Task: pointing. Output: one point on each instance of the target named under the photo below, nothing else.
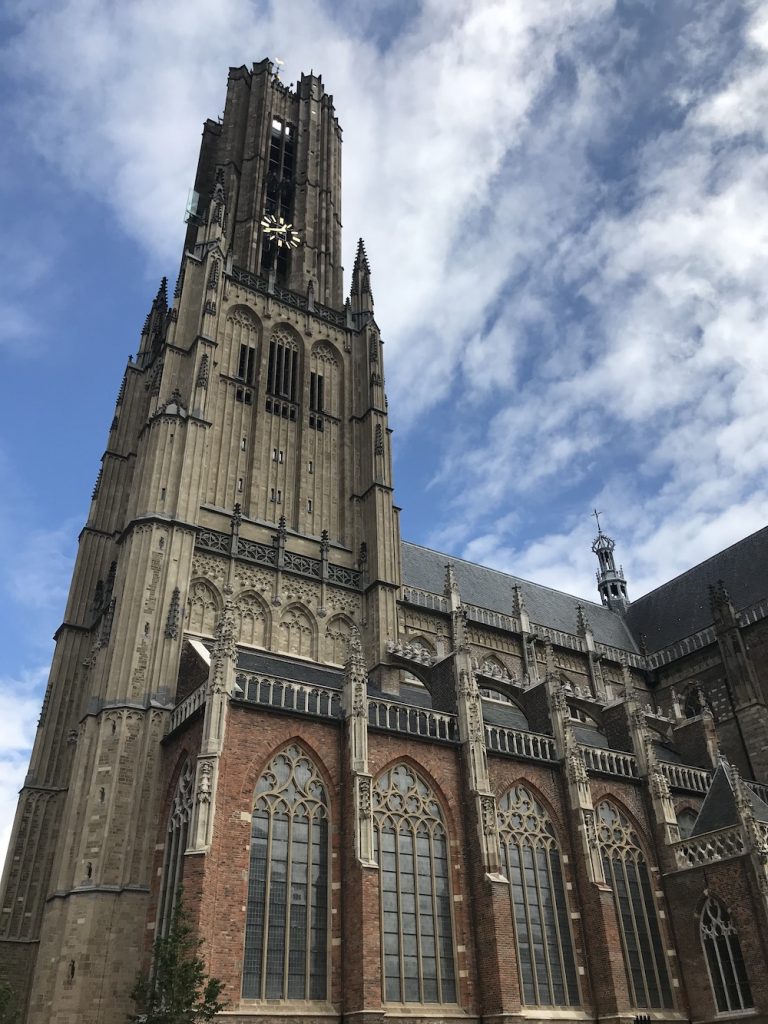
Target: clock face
(280, 231)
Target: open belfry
(392, 786)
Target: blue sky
(564, 206)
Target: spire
(361, 295)
(610, 580)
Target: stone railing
(288, 695)
(266, 554)
(187, 707)
(709, 847)
(610, 762)
(517, 743)
(425, 599)
(290, 298)
(683, 776)
(416, 721)
(498, 620)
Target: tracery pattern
(286, 933)
(627, 873)
(724, 959)
(175, 844)
(531, 856)
(411, 847)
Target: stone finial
(324, 543)
(451, 586)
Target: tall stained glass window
(286, 931)
(531, 857)
(726, 964)
(627, 873)
(416, 919)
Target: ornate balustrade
(288, 695)
(490, 618)
(266, 554)
(290, 298)
(187, 707)
(416, 721)
(520, 744)
(425, 599)
(683, 776)
(610, 762)
(709, 847)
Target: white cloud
(20, 701)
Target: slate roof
(288, 668)
(719, 808)
(424, 569)
(680, 608)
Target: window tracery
(411, 847)
(203, 608)
(286, 934)
(626, 872)
(175, 845)
(531, 855)
(724, 959)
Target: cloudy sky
(564, 204)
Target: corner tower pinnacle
(610, 580)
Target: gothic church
(395, 787)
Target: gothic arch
(412, 846)
(531, 854)
(627, 871)
(242, 327)
(723, 956)
(493, 666)
(326, 360)
(256, 768)
(204, 605)
(337, 634)
(297, 632)
(287, 926)
(253, 619)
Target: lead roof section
(288, 668)
(424, 569)
(680, 608)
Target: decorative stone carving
(204, 782)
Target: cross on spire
(597, 515)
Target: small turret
(610, 580)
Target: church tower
(245, 494)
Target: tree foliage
(177, 989)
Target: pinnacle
(361, 258)
(162, 294)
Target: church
(394, 785)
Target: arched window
(724, 959)
(544, 943)
(286, 930)
(282, 374)
(686, 820)
(297, 632)
(253, 620)
(175, 845)
(202, 608)
(412, 851)
(627, 873)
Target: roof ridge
(698, 565)
(509, 575)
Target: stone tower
(252, 423)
